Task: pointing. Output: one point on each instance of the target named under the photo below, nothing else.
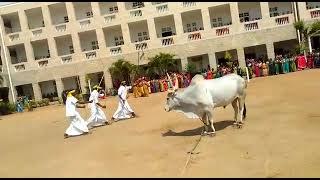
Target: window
(144, 33)
(244, 17)
(71, 49)
(137, 5)
(139, 34)
(89, 14)
(66, 19)
(95, 45)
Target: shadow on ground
(197, 131)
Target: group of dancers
(78, 126)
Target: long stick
(191, 153)
(247, 74)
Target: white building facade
(50, 46)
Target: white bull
(202, 96)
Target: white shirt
(122, 91)
(71, 106)
(94, 96)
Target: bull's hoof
(204, 133)
(212, 134)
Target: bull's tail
(244, 111)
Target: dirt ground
(280, 138)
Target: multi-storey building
(52, 46)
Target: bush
(7, 108)
(33, 103)
(45, 102)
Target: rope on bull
(191, 153)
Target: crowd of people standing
(144, 86)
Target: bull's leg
(236, 109)
(205, 123)
(241, 108)
(210, 120)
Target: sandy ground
(279, 139)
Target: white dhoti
(97, 117)
(124, 110)
(77, 126)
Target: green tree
(162, 63)
(306, 30)
(123, 70)
(228, 57)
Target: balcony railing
(66, 59)
(282, 20)
(315, 14)
(167, 41)
(14, 37)
(250, 26)
(136, 13)
(43, 63)
(41, 57)
(12, 30)
(194, 36)
(189, 4)
(141, 45)
(85, 23)
(109, 18)
(162, 8)
(36, 32)
(91, 54)
(115, 50)
(61, 27)
(19, 67)
(222, 31)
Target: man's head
(71, 93)
(123, 83)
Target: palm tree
(122, 69)
(306, 30)
(162, 63)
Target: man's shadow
(197, 131)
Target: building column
(152, 32)
(241, 57)
(206, 19)
(184, 63)
(95, 9)
(46, 16)
(10, 98)
(29, 54)
(270, 50)
(235, 16)
(212, 60)
(59, 86)
(83, 84)
(36, 91)
(101, 40)
(264, 6)
(23, 20)
(76, 46)
(52, 48)
(178, 23)
(107, 80)
(70, 11)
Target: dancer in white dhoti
(124, 110)
(97, 118)
(77, 125)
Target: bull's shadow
(197, 131)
